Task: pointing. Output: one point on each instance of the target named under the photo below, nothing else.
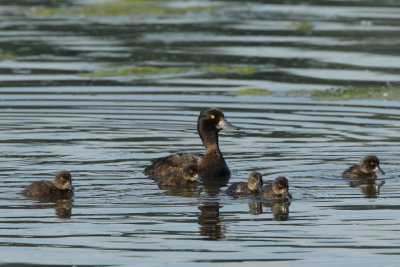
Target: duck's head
(190, 172)
(280, 186)
(63, 180)
(210, 122)
(255, 181)
(213, 119)
(370, 164)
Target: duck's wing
(240, 188)
(231, 189)
(176, 162)
(39, 188)
(352, 172)
(266, 192)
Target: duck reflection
(255, 208)
(185, 191)
(280, 209)
(209, 221)
(63, 207)
(193, 190)
(369, 187)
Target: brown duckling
(369, 166)
(61, 188)
(177, 178)
(279, 189)
(254, 183)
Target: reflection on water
(279, 209)
(102, 95)
(63, 207)
(209, 221)
(369, 187)
(255, 208)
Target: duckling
(61, 188)
(367, 169)
(279, 189)
(254, 184)
(176, 178)
(213, 169)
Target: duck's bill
(287, 195)
(69, 187)
(259, 186)
(195, 178)
(225, 124)
(378, 169)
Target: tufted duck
(367, 169)
(61, 188)
(212, 168)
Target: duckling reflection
(209, 221)
(279, 209)
(191, 190)
(184, 191)
(255, 208)
(369, 187)
(63, 207)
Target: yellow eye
(212, 117)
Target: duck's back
(266, 192)
(40, 188)
(356, 172)
(238, 189)
(46, 189)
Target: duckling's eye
(212, 116)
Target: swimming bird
(61, 188)
(177, 178)
(212, 168)
(279, 189)
(369, 166)
(254, 183)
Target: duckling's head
(255, 181)
(190, 172)
(280, 186)
(63, 180)
(370, 164)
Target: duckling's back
(238, 189)
(40, 188)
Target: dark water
(105, 127)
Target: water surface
(103, 95)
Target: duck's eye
(212, 117)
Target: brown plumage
(212, 168)
(367, 169)
(177, 178)
(279, 189)
(62, 187)
(253, 185)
